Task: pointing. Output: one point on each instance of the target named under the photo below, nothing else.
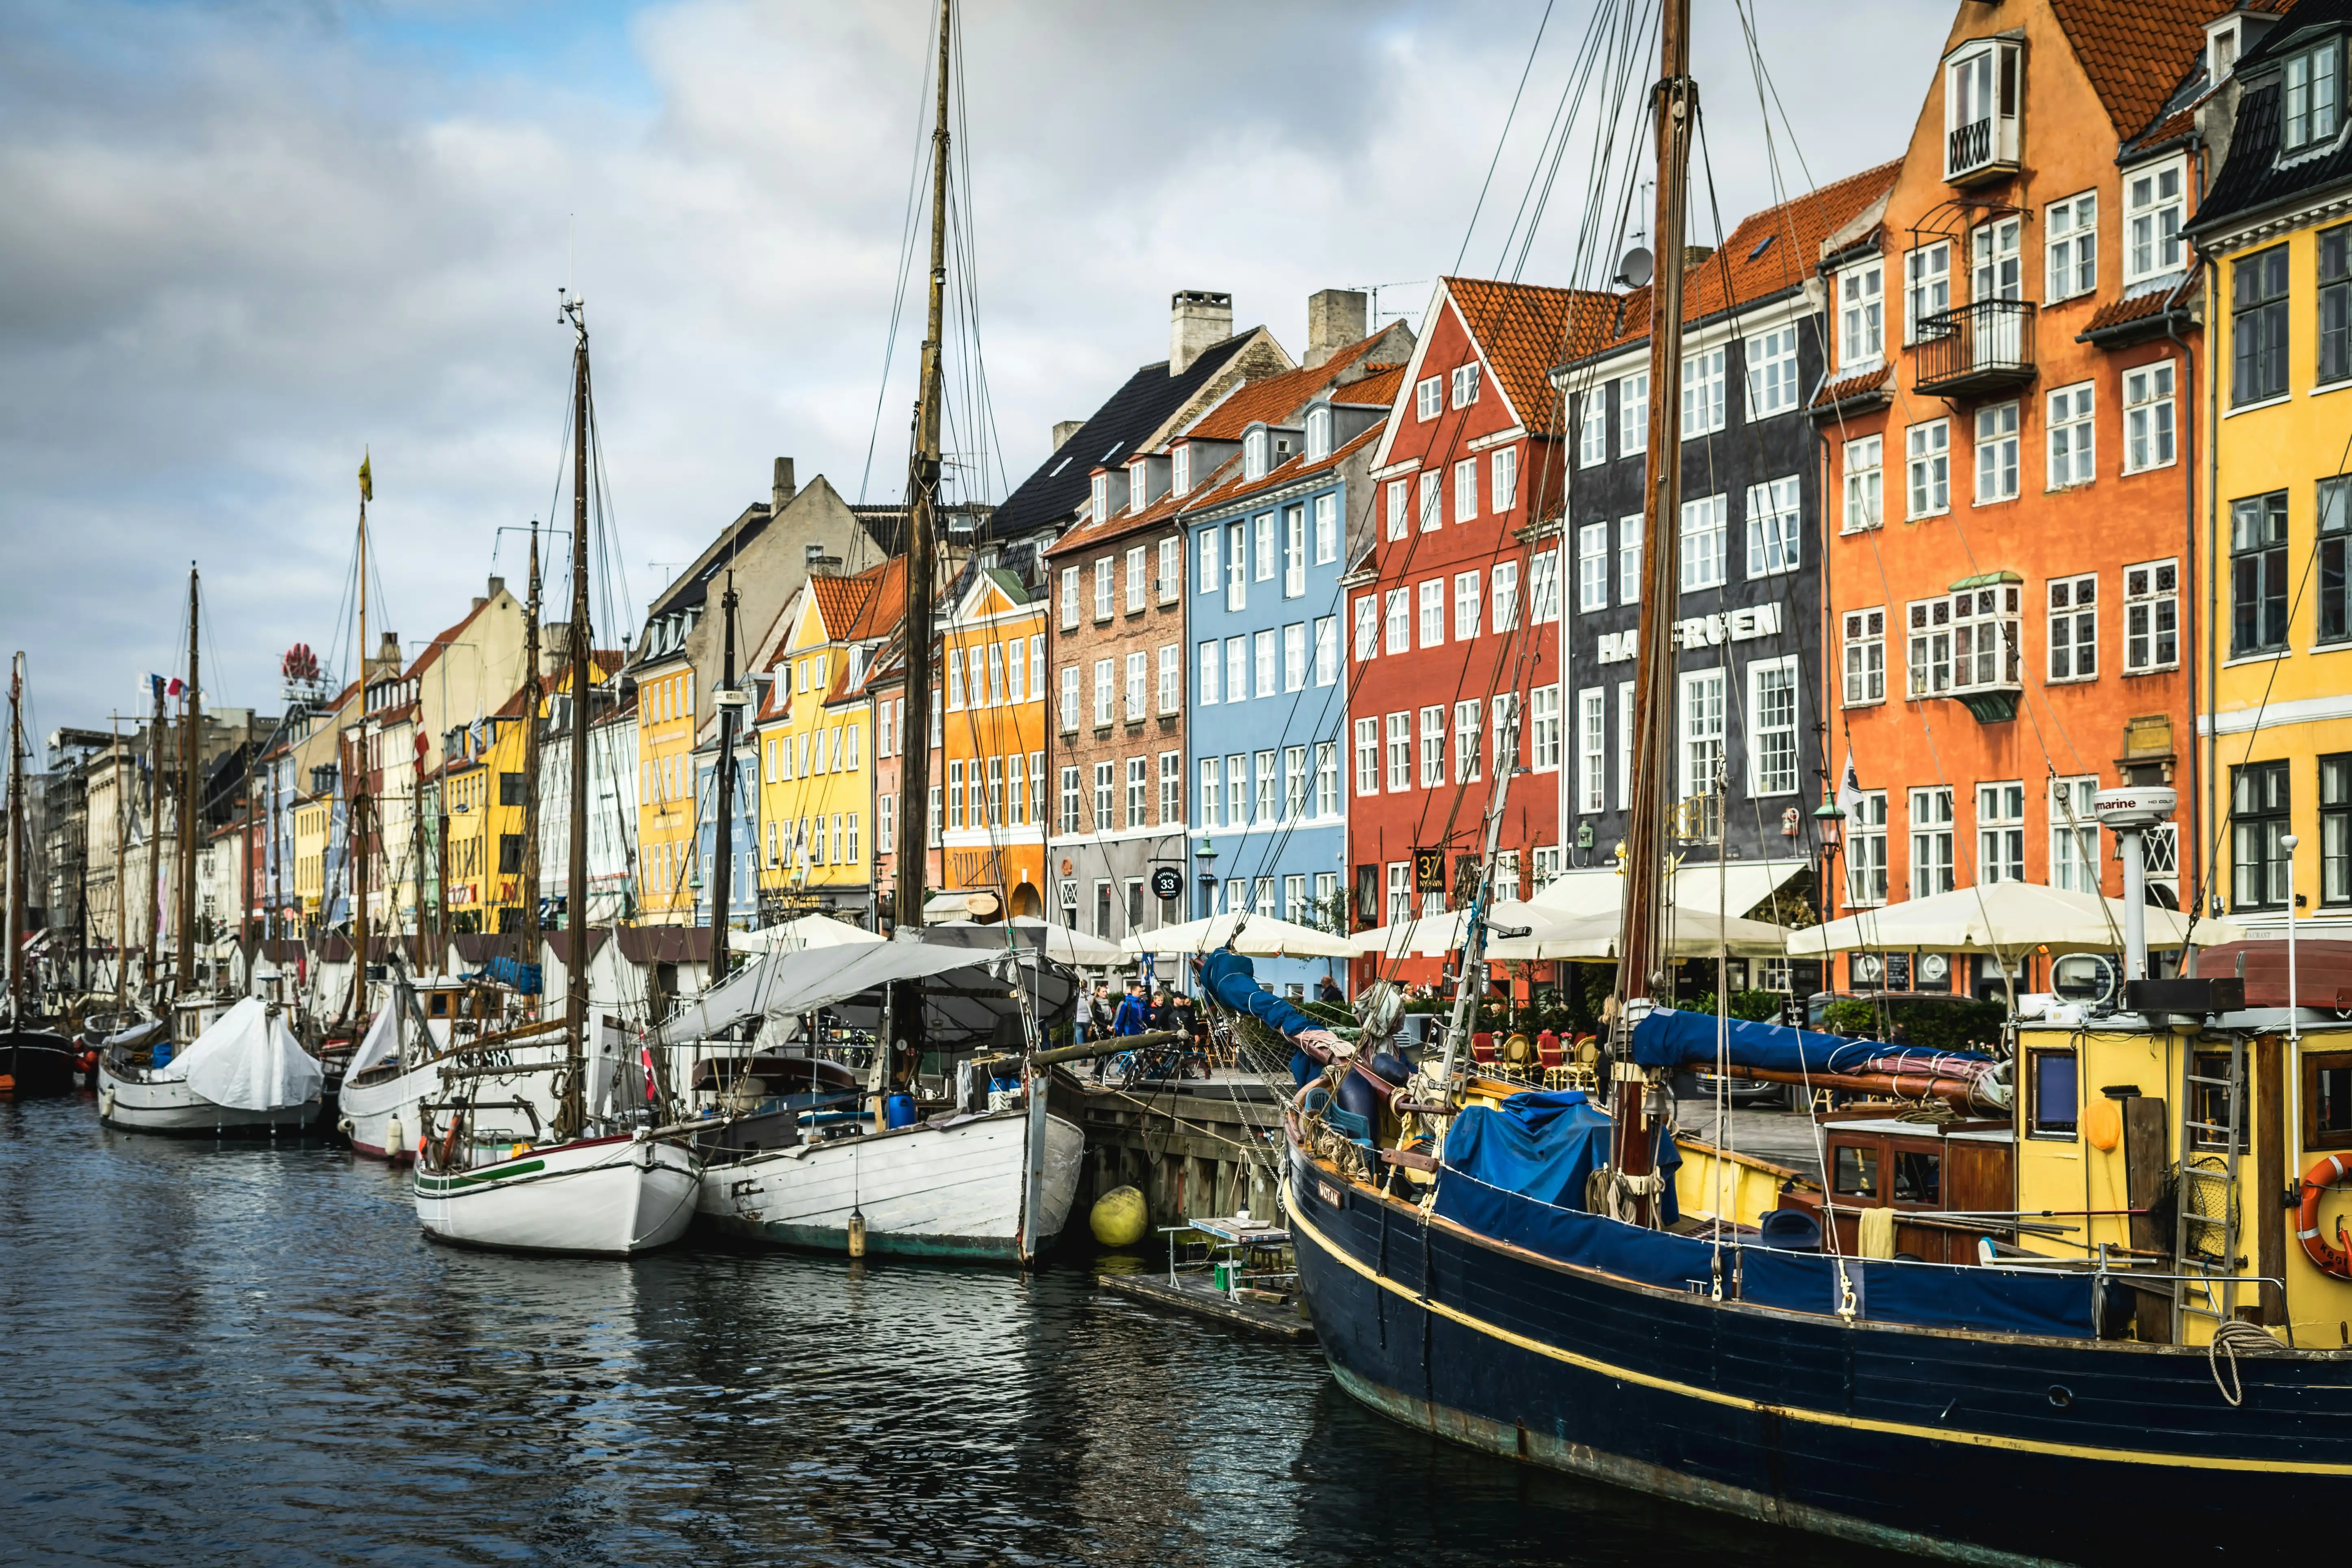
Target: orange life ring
(2337, 1259)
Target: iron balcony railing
(1974, 349)
(1970, 147)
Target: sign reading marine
(1743, 624)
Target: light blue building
(1272, 535)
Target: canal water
(248, 1353)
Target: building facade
(992, 755)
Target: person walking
(1328, 991)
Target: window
(1293, 783)
(1400, 905)
(1103, 821)
(1264, 806)
(1070, 697)
(2335, 569)
(1433, 613)
(2327, 1100)
(1634, 413)
(1103, 569)
(2334, 305)
(1863, 488)
(1865, 841)
(2335, 829)
(1327, 779)
(1100, 502)
(1254, 447)
(2154, 201)
(1592, 567)
(1927, 658)
(1016, 673)
(1865, 656)
(1327, 650)
(1171, 680)
(1262, 529)
(1503, 478)
(2258, 327)
(1294, 552)
(1703, 410)
(1466, 739)
(2312, 102)
(1466, 606)
(1771, 372)
(1704, 523)
(996, 789)
(1368, 626)
(1433, 746)
(1400, 752)
(1294, 900)
(1997, 453)
(1262, 663)
(2257, 573)
(2056, 1094)
(1506, 596)
(2151, 617)
(1431, 517)
(1984, 637)
(1139, 669)
(1592, 750)
(1236, 566)
(1368, 756)
(1702, 715)
(955, 679)
(995, 677)
(1931, 843)
(955, 795)
(1465, 490)
(2073, 835)
(1209, 576)
(1629, 560)
(1069, 597)
(2148, 416)
(1624, 745)
(2071, 231)
(1237, 790)
(1138, 792)
(1772, 727)
(2000, 833)
(1980, 108)
(1400, 620)
(1929, 450)
(1106, 692)
(1068, 820)
(1294, 657)
(1171, 569)
(1862, 316)
(1592, 430)
(2258, 828)
(1927, 288)
(1206, 688)
(1212, 789)
(1397, 529)
(1326, 529)
(1180, 468)
(1465, 385)
(1772, 522)
(1319, 433)
(2074, 627)
(2071, 442)
(1428, 397)
(1506, 730)
(1543, 587)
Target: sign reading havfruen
(1742, 625)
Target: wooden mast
(192, 746)
(355, 827)
(574, 1115)
(533, 691)
(722, 865)
(152, 946)
(15, 934)
(121, 865)
(1641, 948)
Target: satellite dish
(1637, 269)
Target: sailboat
(32, 1060)
(606, 1178)
(227, 1066)
(992, 1176)
(1509, 1273)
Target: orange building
(2007, 430)
(988, 767)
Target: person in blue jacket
(1134, 1016)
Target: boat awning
(980, 997)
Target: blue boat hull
(1967, 1446)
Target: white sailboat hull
(383, 1120)
(608, 1196)
(168, 1106)
(968, 1189)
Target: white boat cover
(985, 1006)
(383, 1039)
(249, 1060)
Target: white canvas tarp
(381, 1040)
(249, 1060)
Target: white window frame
(1466, 605)
(1327, 650)
(1399, 494)
(1294, 657)
(1706, 539)
(1634, 413)
(1935, 866)
(2150, 440)
(1592, 750)
(1503, 479)
(1926, 286)
(1205, 687)
(1433, 746)
(1465, 490)
(1863, 461)
(1629, 560)
(2071, 604)
(1368, 628)
(1262, 547)
(1327, 528)
(1071, 609)
(1505, 598)
(1862, 658)
(2071, 447)
(2074, 834)
(1171, 569)
(1238, 668)
(1704, 393)
(1865, 839)
(1592, 430)
(2001, 832)
(1768, 727)
(1998, 436)
(1429, 398)
(2069, 230)
(1775, 528)
(1073, 700)
(1861, 317)
(1432, 605)
(1397, 621)
(1543, 587)
(1106, 693)
(2151, 614)
(1772, 364)
(1172, 677)
(1368, 755)
(1543, 729)
(1264, 672)
(1431, 500)
(1465, 387)
(2156, 204)
(1591, 567)
(1400, 745)
(1927, 469)
(1138, 676)
(1294, 552)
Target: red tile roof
(1853, 386)
(1275, 398)
(1377, 389)
(2136, 51)
(1525, 330)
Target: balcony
(1980, 151)
(1973, 350)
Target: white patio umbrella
(1435, 936)
(2004, 918)
(804, 931)
(1694, 934)
(1261, 936)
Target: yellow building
(665, 815)
(313, 819)
(2277, 725)
(486, 792)
(992, 755)
(815, 734)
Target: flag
(1849, 789)
(367, 481)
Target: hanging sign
(1429, 870)
(1167, 882)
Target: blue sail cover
(1544, 1146)
(1232, 981)
(510, 972)
(1667, 1038)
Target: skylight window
(1762, 246)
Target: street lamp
(1829, 828)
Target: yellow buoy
(1120, 1218)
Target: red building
(1453, 611)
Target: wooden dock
(1194, 1147)
(1194, 1292)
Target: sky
(242, 242)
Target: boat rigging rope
(2230, 1337)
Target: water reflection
(251, 1353)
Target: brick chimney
(785, 490)
(1199, 319)
(1335, 319)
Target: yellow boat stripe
(1301, 1226)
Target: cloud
(244, 242)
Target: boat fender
(106, 1104)
(391, 1139)
(1362, 1094)
(2335, 1260)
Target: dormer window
(1101, 496)
(1139, 487)
(1980, 111)
(2222, 45)
(1254, 454)
(1180, 470)
(1319, 433)
(2312, 96)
